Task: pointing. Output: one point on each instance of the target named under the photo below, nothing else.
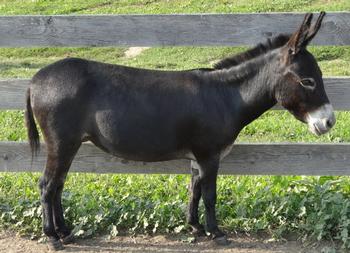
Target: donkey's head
(301, 90)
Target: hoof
(55, 245)
(198, 233)
(68, 239)
(198, 230)
(221, 241)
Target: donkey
(150, 115)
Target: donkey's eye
(308, 83)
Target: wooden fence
(176, 30)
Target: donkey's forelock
(258, 50)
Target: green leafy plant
(316, 208)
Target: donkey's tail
(32, 131)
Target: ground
(9, 242)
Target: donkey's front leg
(195, 195)
(208, 175)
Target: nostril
(329, 123)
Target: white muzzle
(321, 120)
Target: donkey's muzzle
(321, 120)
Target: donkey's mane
(256, 51)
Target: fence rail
(163, 30)
(13, 92)
(177, 30)
(245, 159)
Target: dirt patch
(9, 242)
(134, 51)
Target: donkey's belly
(144, 153)
(144, 140)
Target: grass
(165, 6)
(314, 207)
(24, 62)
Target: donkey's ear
(298, 39)
(313, 31)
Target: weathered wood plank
(12, 93)
(163, 30)
(288, 159)
(16, 157)
(338, 91)
(245, 159)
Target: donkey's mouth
(320, 121)
(315, 130)
(318, 130)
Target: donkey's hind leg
(195, 195)
(60, 227)
(51, 184)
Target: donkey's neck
(255, 82)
